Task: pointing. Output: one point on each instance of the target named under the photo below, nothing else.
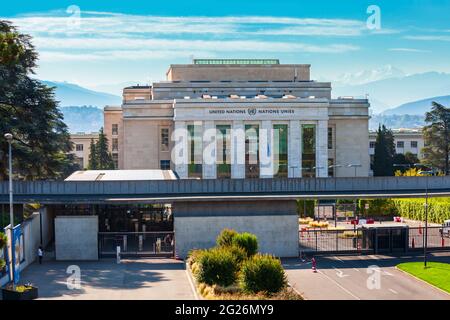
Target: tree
(384, 152)
(437, 137)
(93, 164)
(100, 158)
(29, 111)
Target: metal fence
(137, 243)
(321, 240)
(435, 239)
(351, 240)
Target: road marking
(338, 259)
(340, 273)
(331, 279)
(356, 269)
(393, 291)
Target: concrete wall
(76, 237)
(275, 223)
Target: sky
(100, 44)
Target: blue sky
(110, 42)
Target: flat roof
(236, 61)
(386, 225)
(121, 175)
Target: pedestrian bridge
(171, 191)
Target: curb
(421, 280)
(192, 282)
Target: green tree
(437, 137)
(384, 152)
(104, 157)
(29, 111)
(92, 164)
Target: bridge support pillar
(275, 223)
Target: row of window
(400, 144)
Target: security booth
(385, 237)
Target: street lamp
(9, 138)
(354, 165)
(425, 246)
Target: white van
(445, 230)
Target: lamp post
(425, 246)
(9, 138)
(354, 165)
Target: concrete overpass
(202, 208)
(96, 192)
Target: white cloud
(429, 38)
(407, 50)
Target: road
(359, 277)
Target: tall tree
(100, 157)
(93, 163)
(29, 111)
(437, 137)
(384, 152)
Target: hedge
(414, 209)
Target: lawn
(436, 273)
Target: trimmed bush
(194, 256)
(217, 266)
(414, 209)
(238, 253)
(247, 241)
(225, 238)
(262, 273)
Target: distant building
(82, 147)
(405, 140)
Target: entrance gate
(156, 244)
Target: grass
(436, 273)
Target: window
(413, 144)
(308, 150)
(164, 139)
(400, 144)
(80, 162)
(330, 138)
(331, 167)
(164, 164)
(79, 147)
(195, 151)
(115, 158)
(280, 150)
(251, 151)
(115, 144)
(115, 129)
(372, 144)
(223, 156)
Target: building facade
(239, 119)
(405, 140)
(82, 147)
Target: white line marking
(356, 269)
(393, 291)
(338, 259)
(339, 285)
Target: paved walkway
(136, 279)
(361, 278)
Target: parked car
(445, 229)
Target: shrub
(262, 273)
(225, 238)
(414, 209)
(217, 266)
(194, 256)
(239, 254)
(247, 241)
(2, 245)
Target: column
(294, 150)
(180, 149)
(322, 149)
(209, 150)
(238, 150)
(265, 149)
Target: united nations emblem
(251, 111)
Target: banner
(16, 252)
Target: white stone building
(253, 118)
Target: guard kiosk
(385, 237)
